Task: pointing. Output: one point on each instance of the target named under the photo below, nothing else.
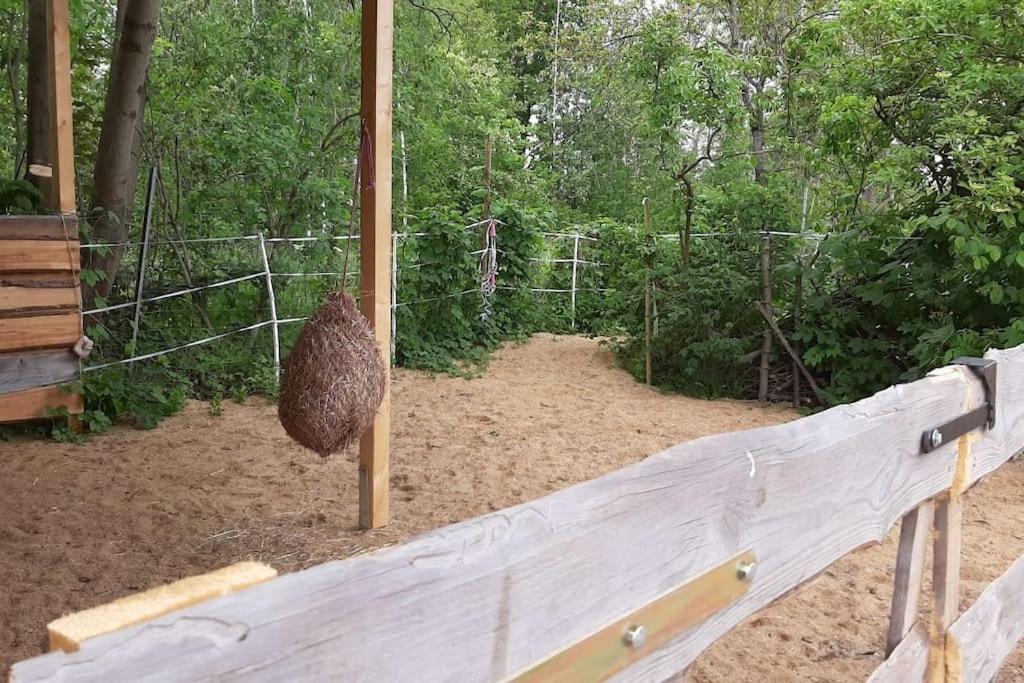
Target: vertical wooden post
(766, 300)
(575, 271)
(945, 584)
(375, 245)
(62, 154)
(798, 305)
(648, 313)
(914, 535)
(488, 154)
(140, 275)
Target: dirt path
(82, 525)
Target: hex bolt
(935, 438)
(745, 571)
(635, 636)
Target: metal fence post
(273, 308)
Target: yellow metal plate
(605, 653)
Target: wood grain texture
(990, 629)
(35, 298)
(908, 663)
(35, 404)
(25, 256)
(39, 332)
(38, 227)
(377, 60)
(38, 280)
(914, 536)
(946, 552)
(25, 370)
(486, 598)
(62, 146)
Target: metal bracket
(982, 416)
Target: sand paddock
(85, 524)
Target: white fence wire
(268, 275)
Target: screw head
(745, 571)
(935, 437)
(635, 636)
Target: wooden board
(375, 246)
(25, 256)
(38, 228)
(910, 556)
(62, 147)
(34, 404)
(990, 629)
(27, 369)
(39, 280)
(69, 632)
(61, 330)
(492, 596)
(908, 663)
(34, 298)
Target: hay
(333, 380)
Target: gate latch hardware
(982, 416)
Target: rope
(489, 268)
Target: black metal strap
(982, 416)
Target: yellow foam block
(67, 633)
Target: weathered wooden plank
(39, 280)
(33, 298)
(24, 256)
(910, 555)
(69, 632)
(489, 597)
(34, 404)
(27, 369)
(990, 629)
(908, 663)
(40, 332)
(38, 228)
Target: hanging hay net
(333, 380)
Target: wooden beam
(945, 586)
(38, 228)
(990, 629)
(908, 663)
(375, 245)
(29, 369)
(62, 156)
(69, 632)
(910, 556)
(40, 332)
(25, 256)
(36, 404)
(492, 596)
(14, 299)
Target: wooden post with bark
(375, 244)
(648, 303)
(766, 301)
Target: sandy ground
(82, 525)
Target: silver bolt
(935, 438)
(635, 636)
(745, 571)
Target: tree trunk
(38, 110)
(117, 157)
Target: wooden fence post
(375, 244)
(140, 277)
(914, 535)
(766, 301)
(575, 267)
(945, 586)
(648, 313)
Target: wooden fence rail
(543, 583)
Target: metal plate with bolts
(613, 648)
(982, 416)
